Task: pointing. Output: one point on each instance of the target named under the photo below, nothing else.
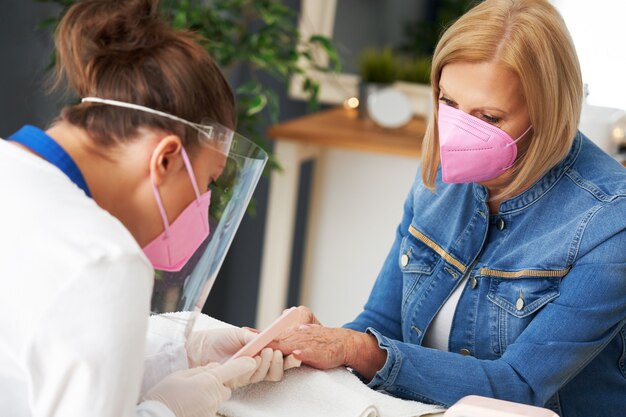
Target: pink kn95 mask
(471, 149)
(171, 250)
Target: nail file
(289, 319)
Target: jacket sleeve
(560, 341)
(382, 310)
(86, 355)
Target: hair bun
(94, 29)
(124, 50)
(128, 25)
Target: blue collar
(546, 182)
(39, 142)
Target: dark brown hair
(124, 50)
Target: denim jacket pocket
(417, 262)
(516, 298)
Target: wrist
(363, 354)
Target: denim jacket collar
(541, 187)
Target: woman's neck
(109, 172)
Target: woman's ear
(165, 159)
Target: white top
(75, 294)
(437, 335)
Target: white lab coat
(74, 300)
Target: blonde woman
(507, 276)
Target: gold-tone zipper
(445, 255)
(560, 273)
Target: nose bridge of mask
(472, 125)
(473, 130)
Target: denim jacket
(542, 317)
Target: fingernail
(297, 352)
(303, 326)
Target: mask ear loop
(157, 196)
(519, 138)
(515, 142)
(191, 174)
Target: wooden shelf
(341, 128)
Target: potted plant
(378, 69)
(413, 79)
(410, 75)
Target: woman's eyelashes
(447, 101)
(494, 120)
(491, 119)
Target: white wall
(356, 206)
(599, 33)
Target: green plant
(414, 70)
(255, 36)
(378, 66)
(384, 66)
(411, 61)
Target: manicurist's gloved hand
(198, 392)
(217, 345)
(271, 366)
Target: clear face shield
(186, 290)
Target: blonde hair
(528, 37)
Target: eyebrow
(444, 93)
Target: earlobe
(164, 158)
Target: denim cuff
(386, 376)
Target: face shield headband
(188, 288)
(214, 134)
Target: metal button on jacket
(404, 259)
(465, 352)
(519, 305)
(473, 282)
(500, 224)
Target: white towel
(307, 392)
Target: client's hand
(325, 348)
(318, 346)
(306, 316)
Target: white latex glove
(271, 366)
(198, 392)
(217, 345)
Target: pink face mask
(171, 250)
(471, 149)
